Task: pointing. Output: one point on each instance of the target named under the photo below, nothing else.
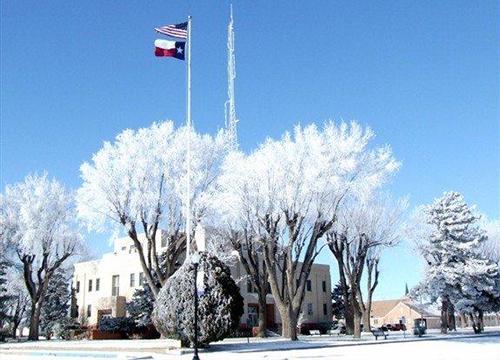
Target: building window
(132, 280)
(309, 309)
(77, 286)
(323, 285)
(309, 285)
(253, 316)
(97, 284)
(325, 310)
(90, 285)
(131, 249)
(141, 278)
(89, 310)
(115, 285)
(124, 248)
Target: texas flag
(170, 48)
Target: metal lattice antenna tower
(230, 106)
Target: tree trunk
(366, 316)
(444, 315)
(14, 330)
(480, 321)
(451, 317)
(34, 321)
(289, 324)
(475, 322)
(262, 331)
(357, 324)
(349, 318)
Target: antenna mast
(230, 106)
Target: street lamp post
(196, 259)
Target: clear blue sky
(423, 74)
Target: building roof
(423, 309)
(382, 307)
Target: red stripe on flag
(165, 52)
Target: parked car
(398, 327)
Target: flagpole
(188, 120)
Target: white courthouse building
(104, 286)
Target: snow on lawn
(456, 346)
(451, 349)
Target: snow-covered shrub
(63, 328)
(118, 324)
(219, 309)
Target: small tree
(141, 306)
(220, 305)
(56, 303)
(19, 299)
(5, 297)
(338, 303)
(19, 307)
(38, 223)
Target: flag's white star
(180, 50)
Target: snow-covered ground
(457, 346)
(486, 348)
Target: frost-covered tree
(5, 297)
(56, 303)
(220, 305)
(37, 221)
(19, 298)
(457, 273)
(364, 227)
(137, 184)
(19, 307)
(292, 189)
(479, 290)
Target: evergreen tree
(338, 304)
(56, 303)
(141, 305)
(457, 273)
